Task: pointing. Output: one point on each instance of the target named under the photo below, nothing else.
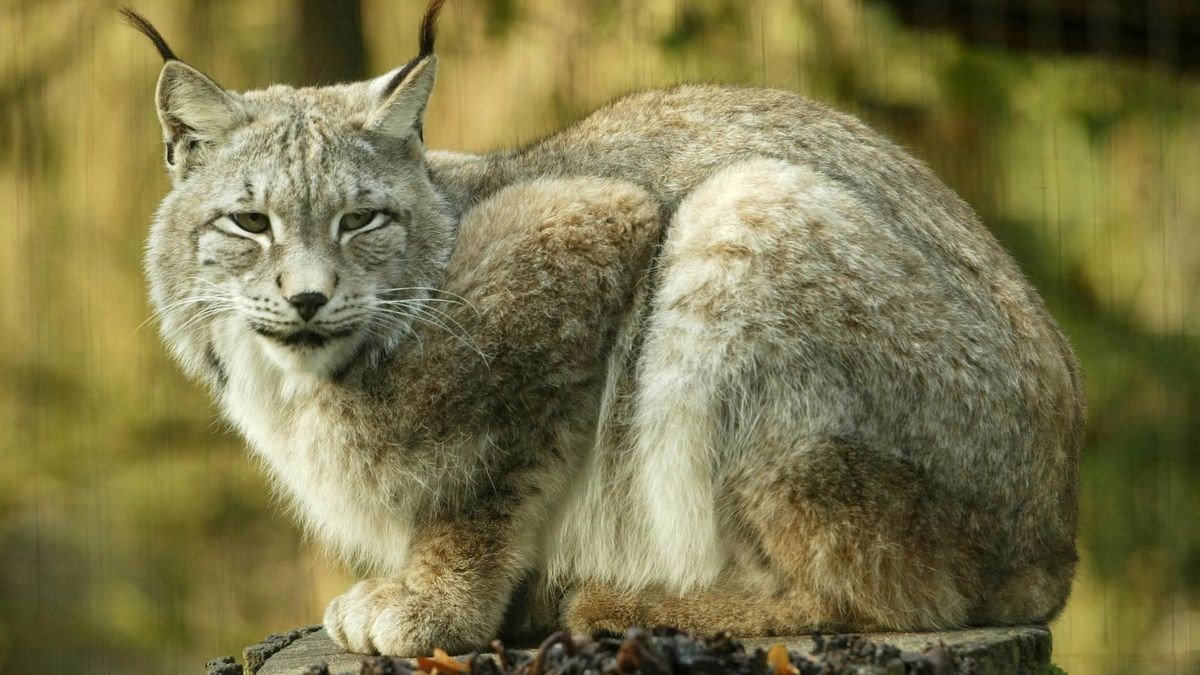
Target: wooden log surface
(1011, 649)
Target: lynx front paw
(384, 616)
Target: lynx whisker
(398, 326)
(420, 305)
(215, 285)
(434, 313)
(207, 313)
(411, 312)
(453, 296)
(162, 312)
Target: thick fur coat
(713, 357)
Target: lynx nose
(307, 304)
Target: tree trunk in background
(330, 42)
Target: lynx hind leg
(853, 536)
(867, 539)
(723, 274)
(855, 540)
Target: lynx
(714, 357)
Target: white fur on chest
(310, 456)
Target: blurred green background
(137, 537)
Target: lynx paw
(384, 616)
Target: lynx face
(302, 221)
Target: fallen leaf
(441, 662)
(780, 662)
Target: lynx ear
(193, 109)
(404, 94)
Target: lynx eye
(255, 223)
(357, 220)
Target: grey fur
(713, 356)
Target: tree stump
(982, 651)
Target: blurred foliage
(136, 537)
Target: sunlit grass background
(135, 535)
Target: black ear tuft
(429, 27)
(427, 38)
(143, 26)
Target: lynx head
(302, 223)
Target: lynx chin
(714, 357)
